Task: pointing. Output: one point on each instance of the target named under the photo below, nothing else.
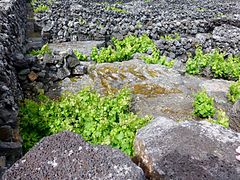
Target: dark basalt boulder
(67, 156)
(187, 150)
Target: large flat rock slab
(67, 156)
(157, 90)
(187, 150)
(84, 47)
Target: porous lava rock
(218, 21)
(12, 39)
(187, 150)
(67, 156)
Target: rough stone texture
(235, 117)
(157, 90)
(215, 22)
(218, 89)
(187, 150)
(67, 156)
(84, 47)
(12, 39)
(45, 70)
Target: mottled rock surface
(84, 47)
(187, 150)
(235, 116)
(67, 156)
(157, 90)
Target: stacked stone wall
(12, 39)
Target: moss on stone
(151, 90)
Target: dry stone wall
(12, 38)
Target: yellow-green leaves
(203, 105)
(79, 55)
(100, 120)
(234, 91)
(44, 50)
(220, 67)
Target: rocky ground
(156, 90)
(165, 93)
(211, 23)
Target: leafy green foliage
(221, 67)
(100, 120)
(203, 105)
(171, 37)
(222, 119)
(234, 91)
(156, 58)
(125, 49)
(196, 64)
(122, 49)
(44, 50)
(80, 56)
(116, 9)
(41, 8)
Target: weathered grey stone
(63, 71)
(217, 89)
(84, 47)
(67, 156)
(187, 150)
(79, 70)
(157, 90)
(72, 62)
(235, 116)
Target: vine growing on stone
(100, 120)
(234, 91)
(123, 50)
(220, 67)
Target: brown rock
(6, 133)
(32, 76)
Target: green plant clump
(222, 119)
(203, 105)
(122, 50)
(116, 9)
(156, 58)
(234, 91)
(41, 8)
(221, 67)
(171, 37)
(100, 120)
(44, 50)
(80, 56)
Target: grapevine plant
(123, 50)
(100, 120)
(203, 105)
(204, 108)
(44, 50)
(80, 56)
(234, 91)
(221, 67)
